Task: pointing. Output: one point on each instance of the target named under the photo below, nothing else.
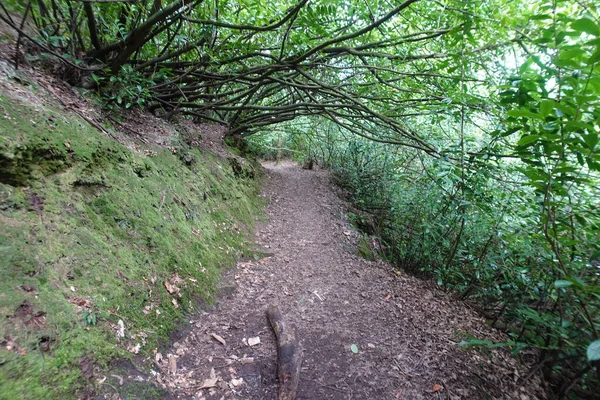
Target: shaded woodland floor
(407, 332)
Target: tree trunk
(278, 157)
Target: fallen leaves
(10, 344)
(172, 289)
(197, 233)
(436, 387)
(146, 310)
(81, 302)
(209, 383)
(173, 283)
(135, 349)
(27, 316)
(157, 356)
(28, 289)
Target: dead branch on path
(289, 355)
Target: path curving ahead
(406, 331)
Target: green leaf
(540, 17)
(572, 53)
(354, 348)
(593, 351)
(524, 113)
(595, 83)
(585, 25)
(484, 343)
(525, 140)
(594, 58)
(562, 284)
(476, 342)
(591, 140)
(546, 107)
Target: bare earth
(406, 331)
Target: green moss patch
(103, 250)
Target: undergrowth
(103, 250)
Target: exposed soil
(406, 330)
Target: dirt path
(407, 332)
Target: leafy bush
(124, 90)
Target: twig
(446, 389)
(140, 137)
(532, 372)
(337, 389)
(488, 382)
(162, 199)
(401, 370)
(45, 48)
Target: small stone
(237, 382)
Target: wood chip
(218, 339)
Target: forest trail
(406, 331)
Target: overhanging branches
(218, 62)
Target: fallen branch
(289, 355)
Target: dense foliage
(466, 130)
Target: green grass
(98, 233)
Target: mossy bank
(103, 250)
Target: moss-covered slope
(102, 249)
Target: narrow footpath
(406, 331)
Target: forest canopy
(467, 131)
(248, 65)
